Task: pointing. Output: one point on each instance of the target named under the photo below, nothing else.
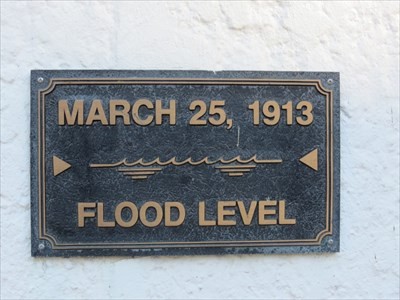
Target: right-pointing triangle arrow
(59, 165)
(311, 159)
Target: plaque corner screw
(41, 246)
(330, 241)
(330, 81)
(40, 79)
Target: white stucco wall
(358, 39)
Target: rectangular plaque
(184, 162)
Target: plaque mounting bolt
(330, 242)
(330, 81)
(41, 246)
(40, 79)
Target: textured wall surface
(358, 39)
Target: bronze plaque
(184, 162)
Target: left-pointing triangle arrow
(311, 159)
(59, 165)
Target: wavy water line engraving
(189, 161)
(234, 167)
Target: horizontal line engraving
(235, 174)
(234, 167)
(138, 169)
(140, 173)
(234, 170)
(139, 177)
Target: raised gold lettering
(263, 212)
(82, 213)
(169, 111)
(76, 117)
(96, 113)
(282, 216)
(181, 214)
(100, 217)
(134, 214)
(202, 216)
(222, 212)
(158, 214)
(135, 112)
(124, 112)
(247, 217)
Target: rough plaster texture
(359, 39)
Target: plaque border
(41, 162)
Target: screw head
(41, 246)
(40, 79)
(330, 242)
(330, 81)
